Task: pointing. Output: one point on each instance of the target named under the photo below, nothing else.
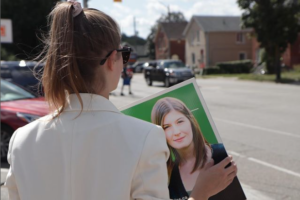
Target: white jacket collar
(91, 102)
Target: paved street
(259, 124)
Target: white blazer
(99, 154)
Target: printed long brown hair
(73, 50)
(161, 108)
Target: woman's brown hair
(73, 50)
(165, 105)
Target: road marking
(235, 154)
(265, 164)
(259, 128)
(274, 167)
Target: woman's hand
(213, 179)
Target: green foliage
(235, 67)
(211, 70)
(171, 17)
(5, 55)
(28, 18)
(276, 24)
(296, 68)
(150, 41)
(134, 40)
(287, 77)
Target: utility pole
(85, 3)
(135, 36)
(134, 27)
(168, 8)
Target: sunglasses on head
(125, 55)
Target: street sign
(6, 31)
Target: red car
(18, 108)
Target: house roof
(173, 30)
(216, 23)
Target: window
(242, 56)
(191, 37)
(173, 64)
(240, 38)
(160, 43)
(193, 58)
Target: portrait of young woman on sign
(190, 152)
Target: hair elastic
(76, 6)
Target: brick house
(290, 57)
(213, 39)
(169, 41)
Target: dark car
(168, 71)
(138, 67)
(18, 108)
(22, 73)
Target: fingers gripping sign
(214, 178)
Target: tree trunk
(271, 66)
(270, 59)
(278, 66)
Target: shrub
(235, 67)
(211, 70)
(297, 67)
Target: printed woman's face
(178, 130)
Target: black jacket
(233, 192)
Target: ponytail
(73, 50)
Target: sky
(146, 12)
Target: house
(213, 39)
(290, 57)
(169, 41)
(139, 52)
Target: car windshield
(10, 92)
(174, 65)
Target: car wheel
(167, 82)
(149, 81)
(6, 133)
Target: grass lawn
(286, 77)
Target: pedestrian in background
(127, 75)
(86, 148)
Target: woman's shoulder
(29, 132)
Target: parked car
(18, 108)
(167, 71)
(22, 73)
(138, 67)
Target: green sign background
(186, 94)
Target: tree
(276, 24)
(133, 40)
(28, 18)
(171, 17)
